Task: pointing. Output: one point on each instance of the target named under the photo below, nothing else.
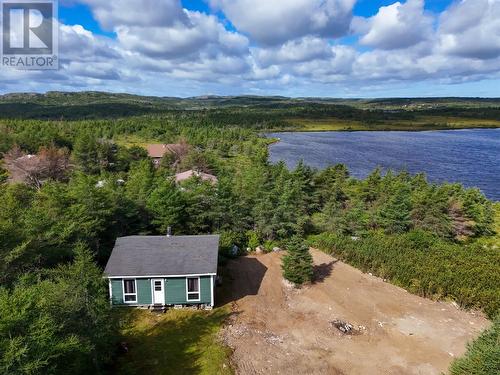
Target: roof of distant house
(188, 174)
(157, 150)
(163, 256)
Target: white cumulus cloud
(471, 28)
(399, 25)
(294, 51)
(274, 22)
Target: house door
(158, 291)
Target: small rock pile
(345, 327)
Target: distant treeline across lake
(471, 157)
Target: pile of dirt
(279, 330)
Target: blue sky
(82, 14)
(334, 48)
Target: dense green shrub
(252, 239)
(57, 322)
(227, 242)
(424, 265)
(482, 356)
(270, 245)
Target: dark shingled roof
(162, 255)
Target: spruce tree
(394, 214)
(166, 205)
(298, 263)
(86, 153)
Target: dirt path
(280, 330)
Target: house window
(157, 286)
(129, 291)
(193, 288)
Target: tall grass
(482, 356)
(424, 265)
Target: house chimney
(169, 231)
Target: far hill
(263, 112)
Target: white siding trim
(110, 292)
(212, 302)
(159, 276)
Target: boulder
(234, 250)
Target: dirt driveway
(276, 329)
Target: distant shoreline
(379, 128)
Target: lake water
(471, 157)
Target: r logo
(27, 28)
(29, 39)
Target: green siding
(144, 292)
(205, 289)
(117, 291)
(175, 290)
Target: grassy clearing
(331, 124)
(133, 140)
(421, 123)
(177, 342)
(460, 122)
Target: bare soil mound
(346, 322)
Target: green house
(151, 271)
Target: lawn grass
(421, 123)
(133, 140)
(176, 342)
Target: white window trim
(129, 294)
(199, 290)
